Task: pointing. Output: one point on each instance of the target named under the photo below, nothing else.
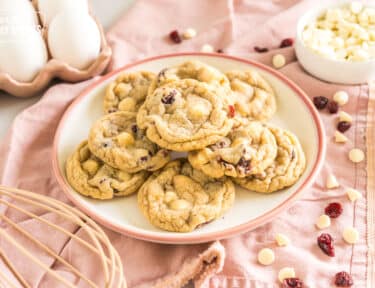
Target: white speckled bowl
(336, 71)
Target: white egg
(48, 9)
(74, 38)
(23, 55)
(17, 12)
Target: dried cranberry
(343, 126)
(325, 242)
(333, 107)
(320, 102)
(260, 49)
(343, 279)
(169, 99)
(286, 42)
(220, 51)
(144, 158)
(175, 37)
(244, 165)
(134, 128)
(232, 111)
(292, 283)
(333, 210)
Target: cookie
(246, 150)
(190, 70)
(287, 168)
(127, 92)
(180, 198)
(254, 98)
(91, 177)
(117, 140)
(185, 115)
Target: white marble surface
(108, 11)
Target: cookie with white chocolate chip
(185, 115)
(118, 141)
(127, 92)
(245, 151)
(91, 177)
(254, 98)
(181, 199)
(285, 170)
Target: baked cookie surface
(127, 92)
(89, 176)
(185, 115)
(180, 198)
(195, 70)
(253, 97)
(287, 168)
(246, 150)
(117, 140)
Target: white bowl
(336, 71)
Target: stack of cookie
(215, 121)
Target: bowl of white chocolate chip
(336, 42)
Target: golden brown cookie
(89, 176)
(285, 171)
(180, 198)
(118, 141)
(254, 98)
(185, 115)
(127, 92)
(246, 150)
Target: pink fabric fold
(235, 26)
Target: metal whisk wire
(100, 246)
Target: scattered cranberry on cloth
(235, 27)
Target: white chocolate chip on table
(343, 116)
(207, 48)
(323, 222)
(341, 98)
(266, 256)
(285, 273)
(278, 61)
(353, 194)
(340, 138)
(350, 235)
(332, 182)
(282, 240)
(356, 155)
(189, 33)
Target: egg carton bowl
(58, 69)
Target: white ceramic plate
(295, 112)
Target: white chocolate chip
(343, 116)
(350, 235)
(282, 240)
(353, 194)
(278, 61)
(125, 139)
(356, 155)
(341, 97)
(266, 256)
(332, 182)
(340, 138)
(323, 222)
(356, 7)
(207, 48)
(189, 33)
(285, 273)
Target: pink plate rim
(186, 238)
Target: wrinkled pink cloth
(235, 26)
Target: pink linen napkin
(235, 26)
